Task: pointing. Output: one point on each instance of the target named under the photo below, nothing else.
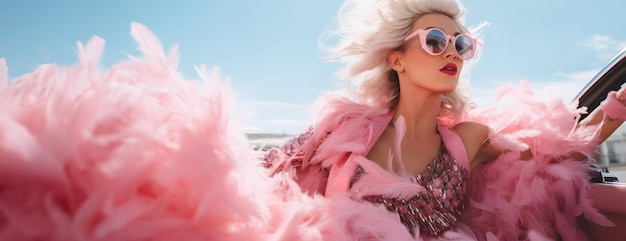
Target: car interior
(609, 194)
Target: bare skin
(422, 85)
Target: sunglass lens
(464, 46)
(436, 41)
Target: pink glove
(614, 106)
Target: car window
(611, 158)
(612, 155)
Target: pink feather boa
(541, 198)
(136, 152)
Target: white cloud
(565, 86)
(285, 126)
(560, 85)
(605, 46)
(271, 104)
(268, 116)
(573, 83)
(247, 107)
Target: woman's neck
(420, 114)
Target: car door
(608, 190)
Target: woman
(399, 140)
(136, 152)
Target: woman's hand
(609, 116)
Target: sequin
(436, 210)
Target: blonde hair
(369, 30)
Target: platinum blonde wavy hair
(368, 30)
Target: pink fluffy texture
(137, 152)
(131, 153)
(613, 106)
(538, 199)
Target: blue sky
(270, 51)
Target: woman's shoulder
(473, 134)
(470, 128)
(475, 137)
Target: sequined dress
(435, 210)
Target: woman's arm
(609, 116)
(475, 137)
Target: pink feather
(382, 182)
(4, 74)
(91, 54)
(149, 44)
(400, 126)
(136, 152)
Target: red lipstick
(450, 69)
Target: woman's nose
(450, 51)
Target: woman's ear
(395, 61)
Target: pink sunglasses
(434, 41)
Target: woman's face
(425, 72)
